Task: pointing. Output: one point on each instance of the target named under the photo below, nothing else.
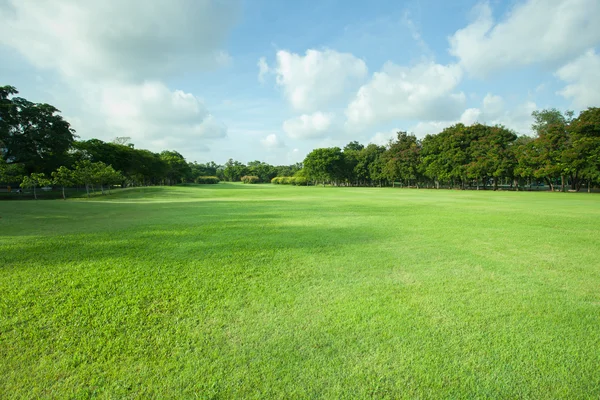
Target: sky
(271, 80)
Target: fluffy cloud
(383, 138)
(308, 126)
(426, 91)
(118, 39)
(150, 111)
(319, 78)
(534, 31)
(583, 78)
(272, 142)
(492, 112)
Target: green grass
(260, 291)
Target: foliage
(34, 181)
(250, 179)
(211, 180)
(32, 134)
(63, 177)
(325, 165)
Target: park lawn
(264, 291)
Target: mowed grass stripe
(270, 291)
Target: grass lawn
(243, 291)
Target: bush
(207, 180)
(290, 180)
(300, 181)
(250, 179)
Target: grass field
(235, 291)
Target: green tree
(366, 158)
(234, 170)
(585, 148)
(33, 181)
(11, 173)
(264, 171)
(178, 170)
(32, 134)
(552, 145)
(84, 174)
(351, 156)
(325, 165)
(62, 177)
(401, 160)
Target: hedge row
(250, 179)
(290, 180)
(207, 180)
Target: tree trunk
(589, 187)
(34, 193)
(102, 189)
(562, 183)
(87, 189)
(516, 184)
(495, 184)
(63, 190)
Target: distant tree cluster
(565, 152)
(38, 148)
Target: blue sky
(271, 80)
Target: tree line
(39, 148)
(565, 153)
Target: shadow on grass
(235, 234)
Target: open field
(264, 291)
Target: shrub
(207, 180)
(276, 180)
(300, 181)
(250, 179)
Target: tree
(178, 170)
(552, 143)
(364, 163)
(11, 173)
(264, 171)
(585, 149)
(325, 164)
(62, 177)
(32, 134)
(402, 158)
(84, 174)
(34, 180)
(351, 155)
(234, 170)
(106, 174)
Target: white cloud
(383, 138)
(319, 78)
(492, 112)
(470, 116)
(152, 112)
(583, 78)
(533, 31)
(113, 39)
(272, 142)
(493, 105)
(309, 126)
(425, 91)
(263, 69)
